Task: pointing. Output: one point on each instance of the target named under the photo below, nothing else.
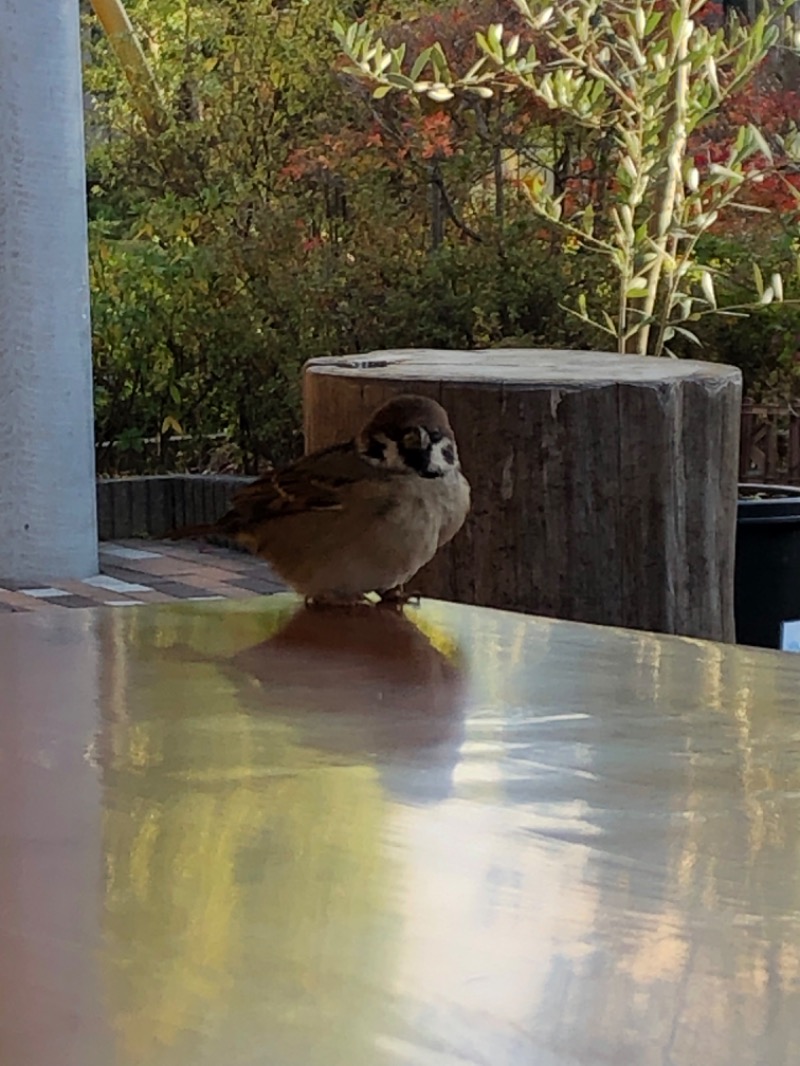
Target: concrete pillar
(47, 486)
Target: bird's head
(410, 434)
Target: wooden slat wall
(770, 444)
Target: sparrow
(358, 517)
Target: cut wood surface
(604, 486)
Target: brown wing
(317, 482)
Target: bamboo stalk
(129, 52)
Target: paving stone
(135, 571)
(263, 586)
(117, 551)
(20, 602)
(178, 590)
(75, 601)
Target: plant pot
(767, 582)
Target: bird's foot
(329, 601)
(397, 598)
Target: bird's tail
(228, 527)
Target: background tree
(284, 211)
(633, 85)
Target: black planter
(767, 589)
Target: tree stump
(604, 486)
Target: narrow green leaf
(439, 63)
(475, 69)
(759, 279)
(687, 333)
(707, 285)
(759, 141)
(653, 19)
(419, 64)
(399, 81)
(495, 35)
(676, 25)
(541, 20)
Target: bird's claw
(398, 598)
(395, 599)
(326, 602)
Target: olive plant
(641, 78)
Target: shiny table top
(241, 833)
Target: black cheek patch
(448, 455)
(375, 450)
(416, 458)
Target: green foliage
(253, 234)
(765, 344)
(181, 344)
(638, 78)
(285, 213)
(193, 249)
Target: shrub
(281, 213)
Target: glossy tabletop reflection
(242, 833)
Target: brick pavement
(144, 571)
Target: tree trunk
(126, 45)
(47, 487)
(604, 486)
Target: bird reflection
(364, 682)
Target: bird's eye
(435, 436)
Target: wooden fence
(769, 451)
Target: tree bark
(604, 486)
(126, 45)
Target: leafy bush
(192, 255)
(640, 87)
(280, 212)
